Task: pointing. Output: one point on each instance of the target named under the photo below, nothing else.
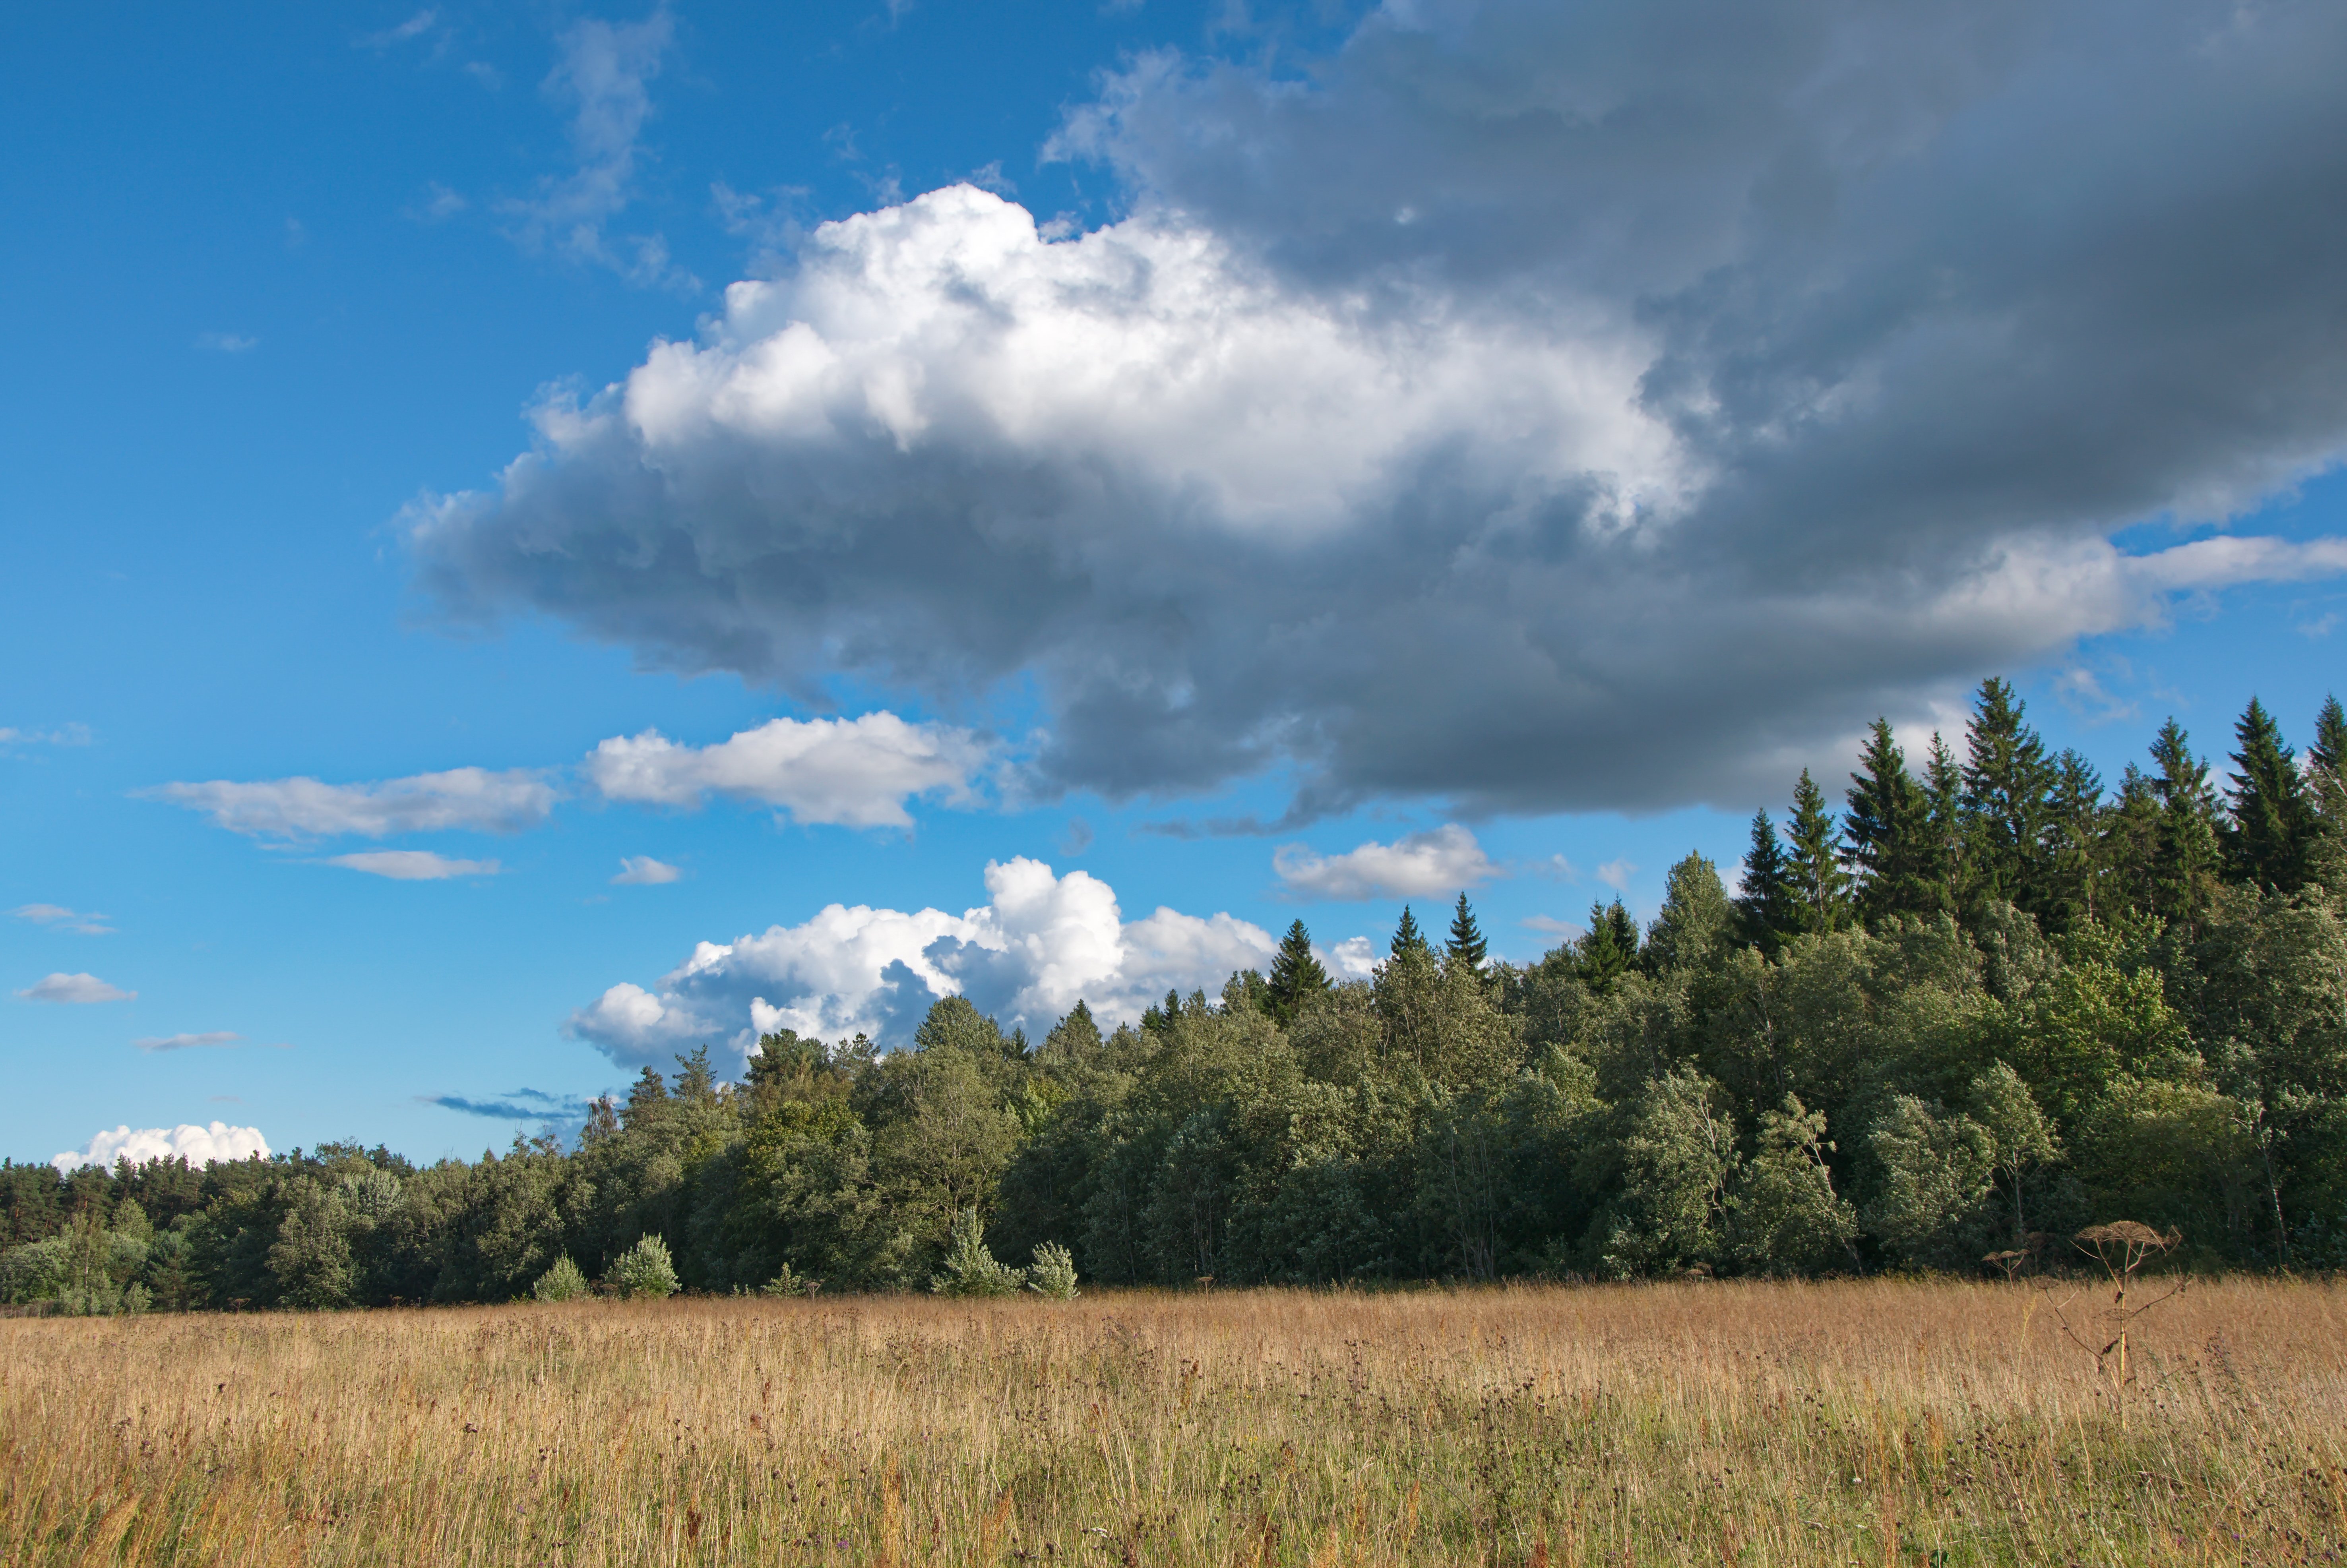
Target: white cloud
(299, 808)
(1437, 863)
(1353, 959)
(437, 205)
(63, 735)
(603, 76)
(1617, 874)
(856, 771)
(1729, 386)
(188, 1042)
(415, 26)
(65, 987)
(87, 923)
(198, 1145)
(1548, 925)
(643, 871)
(227, 343)
(1039, 944)
(413, 864)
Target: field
(1880, 1423)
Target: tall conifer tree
(2007, 781)
(1295, 974)
(2267, 842)
(1406, 937)
(2329, 752)
(1943, 791)
(1610, 948)
(2075, 864)
(1821, 887)
(1890, 831)
(1764, 903)
(1466, 945)
(2184, 863)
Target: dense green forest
(1988, 1002)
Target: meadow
(1871, 1423)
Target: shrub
(787, 1283)
(1053, 1273)
(971, 1269)
(645, 1269)
(563, 1281)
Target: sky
(540, 537)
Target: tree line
(1989, 1001)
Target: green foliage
(1297, 978)
(645, 1269)
(969, 1268)
(1466, 945)
(2021, 1004)
(1783, 1213)
(1936, 1170)
(1052, 1275)
(563, 1281)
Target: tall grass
(1877, 1422)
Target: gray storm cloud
(1530, 407)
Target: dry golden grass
(1874, 1423)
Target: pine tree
(1466, 945)
(1406, 937)
(1820, 889)
(2184, 860)
(2267, 841)
(1296, 976)
(1889, 831)
(1764, 904)
(2006, 781)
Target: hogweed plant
(2121, 1248)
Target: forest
(1989, 1000)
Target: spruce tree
(1406, 937)
(2267, 842)
(1890, 830)
(1466, 945)
(1820, 888)
(1610, 948)
(2329, 752)
(1296, 977)
(2076, 863)
(2184, 860)
(1764, 904)
(1944, 795)
(2008, 780)
(2326, 798)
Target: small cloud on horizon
(643, 871)
(199, 1145)
(1616, 873)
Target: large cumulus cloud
(1530, 407)
(1040, 943)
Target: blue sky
(1543, 432)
